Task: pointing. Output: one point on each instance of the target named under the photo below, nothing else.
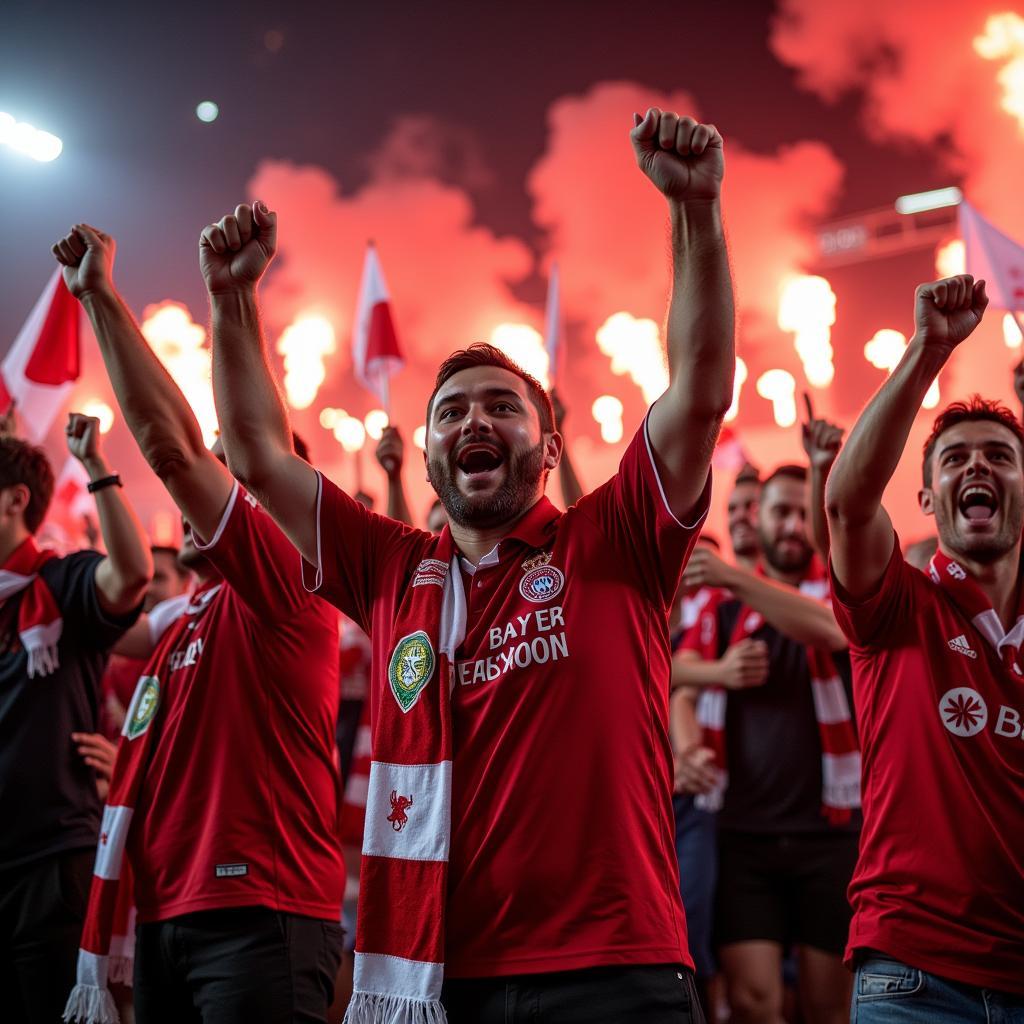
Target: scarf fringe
(374, 1008)
(42, 660)
(89, 1004)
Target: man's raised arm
(684, 160)
(257, 437)
(945, 313)
(157, 413)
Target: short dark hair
(748, 474)
(482, 354)
(975, 409)
(24, 463)
(172, 553)
(788, 471)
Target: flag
(375, 348)
(996, 257)
(42, 364)
(552, 325)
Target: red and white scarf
(840, 757)
(99, 961)
(39, 619)
(971, 600)
(400, 925)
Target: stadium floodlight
(29, 140)
(207, 111)
(919, 202)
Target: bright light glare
(419, 437)
(102, 412)
(32, 142)
(951, 258)
(807, 307)
(1011, 332)
(634, 346)
(375, 421)
(607, 411)
(779, 387)
(524, 345)
(1004, 40)
(737, 385)
(207, 111)
(886, 349)
(329, 418)
(937, 198)
(304, 344)
(350, 433)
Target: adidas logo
(961, 646)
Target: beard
(525, 469)
(786, 562)
(975, 548)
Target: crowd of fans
(477, 771)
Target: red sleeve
(881, 618)
(252, 554)
(354, 546)
(632, 511)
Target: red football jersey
(239, 805)
(562, 839)
(940, 880)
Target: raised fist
(947, 311)
(83, 434)
(821, 439)
(683, 158)
(235, 252)
(391, 451)
(87, 256)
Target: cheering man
(224, 788)
(518, 842)
(938, 892)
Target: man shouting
(518, 857)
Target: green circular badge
(410, 668)
(144, 705)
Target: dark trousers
(651, 994)
(42, 908)
(247, 965)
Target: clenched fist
(745, 664)
(947, 311)
(235, 252)
(391, 451)
(83, 434)
(682, 157)
(87, 256)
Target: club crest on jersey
(541, 582)
(144, 705)
(399, 805)
(410, 668)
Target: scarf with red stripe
(90, 1000)
(840, 757)
(400, 926)
(39, 619)
(971, 600)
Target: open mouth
(476, 459)
(978, 503)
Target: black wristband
(114, 480)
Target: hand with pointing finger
(821, 439)
(682, 157)
(235, 252)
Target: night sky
(301, 83)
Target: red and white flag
(996, 257)
(553, 326)
(375, 348)
(44, 360)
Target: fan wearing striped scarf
(788, 779)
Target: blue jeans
(697, 852)
(888, 992)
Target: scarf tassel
(90, 1004)
(375, 1008)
